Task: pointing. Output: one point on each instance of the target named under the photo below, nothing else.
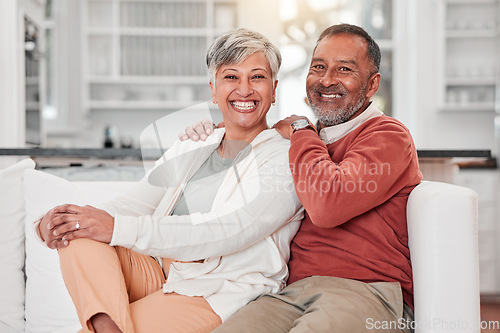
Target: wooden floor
(490, 314)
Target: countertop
(52, 157)
(136, 153)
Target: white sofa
(40, 303)
(442, 222)
(443, 241)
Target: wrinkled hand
(58, 226)
(283, 126)
(199, 130)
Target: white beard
(335, 116)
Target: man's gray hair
(344, 28)
(237, 45)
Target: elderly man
(350, 267)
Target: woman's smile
(245, 106)
(244, 92)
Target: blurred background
(97, 68)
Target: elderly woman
(206, 231)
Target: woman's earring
(215, 102)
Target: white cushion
(48, 305)
(12, 246)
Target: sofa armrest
(443, 241)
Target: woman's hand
(199, 130)
(47, 235)
(67, 222)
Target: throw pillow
(49, 307)
(12, 246)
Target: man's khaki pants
(322, 304)
(127, 286)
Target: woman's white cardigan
(243, 241)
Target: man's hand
(283, 126)
(199, 130)
(67, 222)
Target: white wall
(260, 16)
(12, 68)
(11, 85)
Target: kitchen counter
(445, 165)
(136, 153)
(458, 153)
(436, 165)
(100, 153)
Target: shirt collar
(334, 133)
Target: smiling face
(244, 92)
(339, 83)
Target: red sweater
(355, 192)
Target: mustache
(339, 88)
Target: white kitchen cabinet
(486, 183)
(470, 45)
(150, 55)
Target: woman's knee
(83, 249)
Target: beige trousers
(323, 304)
(127, 286)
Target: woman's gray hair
(237, 45)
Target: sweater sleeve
(260, 203)
(373, 168)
